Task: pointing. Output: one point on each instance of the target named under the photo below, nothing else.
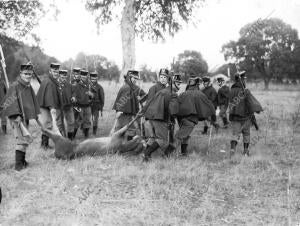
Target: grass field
(263, 189)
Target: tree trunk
(128, 36)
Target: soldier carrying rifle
(20, 106)
(242, 106)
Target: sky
(219, 21)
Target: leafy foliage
(190, 62)
(265, 46)
(106, 69)
(153, 18)
(19, 17)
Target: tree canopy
(190, 62)
(266, 46)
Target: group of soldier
(76, 100)
(162, 107)
(68, 102)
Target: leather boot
(4, 129)
(246, 149)
(225, 122)
(149, 150)
(168, 151)
(86, 132)
(74, 133)
(44, 141)
(19, 165)
(95, 130)
(233, 145)
(70, 135)
(205, 129)
(184, 149)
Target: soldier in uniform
(75, 78)
(193, 106)
(2, 95)
(97, 101)
(66, 94)
(20, 106)
(160, 84)
(49, 100)
(161, 113)
(242, 106)
(211, 94)
(223, 100)
(127, 103)
(82, 99)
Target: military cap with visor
(133, 74)
(84, 72)
(55, 66)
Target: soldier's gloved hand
(119, 113)
(73, 99)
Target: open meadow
(202, 189)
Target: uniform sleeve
(102, 97)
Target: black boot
(95, 130)
(168, 151)
(233, 145)
(19, 165)
(184, 149)
(70, 135)
(246, 149)
(25, 163)
(44, 141)
(74, 133)
(149, 150)
(225, 122)
(4, 129)
(86, 132)
(205, 130)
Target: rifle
(60, 91)
(4, 67)
(170, 124)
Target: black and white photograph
(150, 112)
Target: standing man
(49, 100)
(194, 106)
(211, 94)
(3, 92)
(66, 94)
(160, 84)
(223, 100)
(127, 103)
(82, 99)
(20, 106)
(242, 106)
(97, 101)
(161, 113)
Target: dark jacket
(163, 105)
(48, 93)
(193, 102)
(21, 101)
(98, 99)
(66, 94)
(242, 104)
(223, 95)
(154, 89)
(3, 90)
(127, 98)
(211, 93)
(81, 94)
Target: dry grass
(198, 190)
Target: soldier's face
(26, 75)
(76, 76)
(63, 78)
(133, 80)
(83, 78)
(163, 79)
(205, 84)
(54, 73)
(94, 80)
(177, 85)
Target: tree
(190, 62)
(262, 46)
(145, 18)
(147, 75)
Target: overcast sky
(220, 21)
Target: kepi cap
(63, 72)
(55, 66)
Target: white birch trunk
(128, 37)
